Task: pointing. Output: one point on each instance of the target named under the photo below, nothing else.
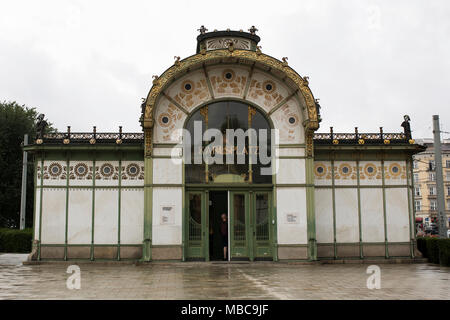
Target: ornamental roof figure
(252, 30)
(202, 29)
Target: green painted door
(261, 225)
(239, 225)
(195, 225)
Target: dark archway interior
(218, 204)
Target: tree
(15, 121)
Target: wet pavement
(221, 281)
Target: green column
(310, 209)
(384, 210)
(148, 197)
(41, 191)
(119, 206)
(411, 206)
(333, 199)
(67, 206)
(94, 171)
(361, 253)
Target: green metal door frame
(240, 248)
(262, 249)
(196, 248)
(249, 250)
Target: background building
(425, 202)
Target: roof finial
(253, 30)
(202, 30)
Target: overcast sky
(86, 63)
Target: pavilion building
(137, 196)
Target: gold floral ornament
(395, 169)
(66, 141)
(269, 86)
(361, 141)
(133, 170)
(387, 141)
(411, 141)
(81, 170)
(345, 169)
(370, 170)
(164, 119)
(39, 141)
(228, 75)
(55, 169)
(320, 170)
(335, 141)
(92, 141)
(119, 141)
(107, 170)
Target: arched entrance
(272, 88)
(229, 173)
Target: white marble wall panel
(372, 218)
(347, 225)
(291, 216)
(132, 216)
(166, 171)
(53, 216)
(106, 216)
(167, 216)
(79, 229)
(397, 215)
(291, 171)
(168, 152)
(324, 215)
(290, 152)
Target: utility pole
(23, 199)
(442, 217)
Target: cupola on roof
(223, 39)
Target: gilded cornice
(183, 66)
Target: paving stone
(223, 281)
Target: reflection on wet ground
(221, 281)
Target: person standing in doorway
(224, 234)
